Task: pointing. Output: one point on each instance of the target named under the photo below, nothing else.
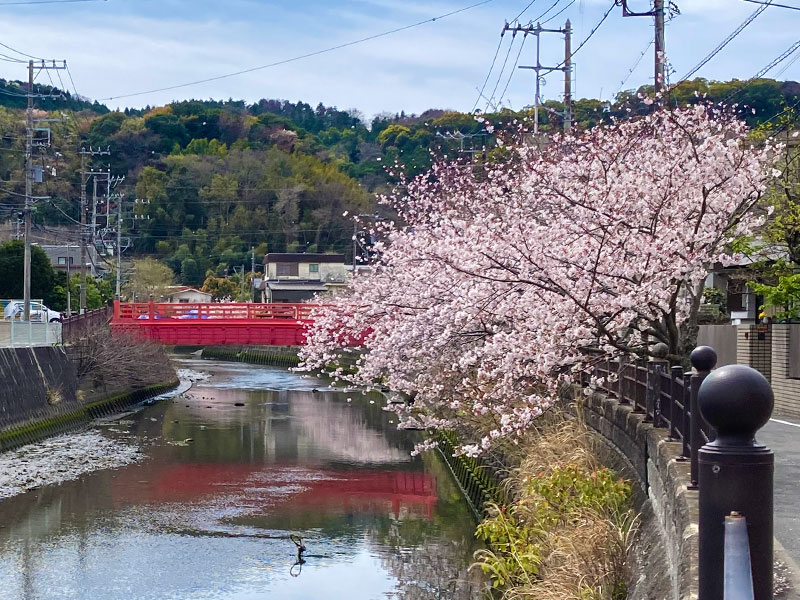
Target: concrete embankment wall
(39, 396)
(279, 356)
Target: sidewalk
(782, 436)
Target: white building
(298, 277)
(181, 294)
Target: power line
(633, 68)
(591, 33)
(541, 16)
(726, 41)
(786, 54)
(513, 70)
(300, 57)
(768, 3)
(19, 52)
(524, 10)
(491, 68)
(502, 70)
(558, 13)
(47, 2)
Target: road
(782, 435)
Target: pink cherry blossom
(496, 279)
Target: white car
(39, 312)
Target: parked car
(39, 312)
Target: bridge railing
(76, 327)
(131, 311)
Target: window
(287, 269)
(313, 268)
(183, 300)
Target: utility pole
(29, 175)
(566, 67)
(26, 284)
(69, 295)
(567, 76)
(661, 57)
(118, 291)
(659, 80)
(94, 215)
(84, 229)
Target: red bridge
(214, 324)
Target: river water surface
(230, 470)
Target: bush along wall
(276, 356)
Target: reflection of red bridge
(214, 324)
(331, 492)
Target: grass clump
(567, 532)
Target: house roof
(183, 288)
(303, 258)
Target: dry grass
(584, 556)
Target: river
(230, 470)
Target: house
(186, 295)
(297, 277)
(62, 254)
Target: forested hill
(13, 94)
(210, 180)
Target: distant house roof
(303, 258)
(179, 289)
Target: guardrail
(25, 334)
(76, 327)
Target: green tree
(43, 277)
(150, 280)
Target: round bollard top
(703, 358)
(660, 350)
(737, 401)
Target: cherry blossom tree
(496, 281)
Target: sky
(119, 47)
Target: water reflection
(249, 457)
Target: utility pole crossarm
(540, 69)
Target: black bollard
(735, 475)
(703, 359)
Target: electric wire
(725, 42)
(786, 54)
(500, 76)
(524, 10)
(29, 2)
(551, 7)
(559, 12)
(6, 46)
(591, 33)
(489, 74)
(769, 3)
(513, 70)
(634, 67)
(300, 57)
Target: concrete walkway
(782, 435)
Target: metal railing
(76, 327)
(666, 396)
(25, 334)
